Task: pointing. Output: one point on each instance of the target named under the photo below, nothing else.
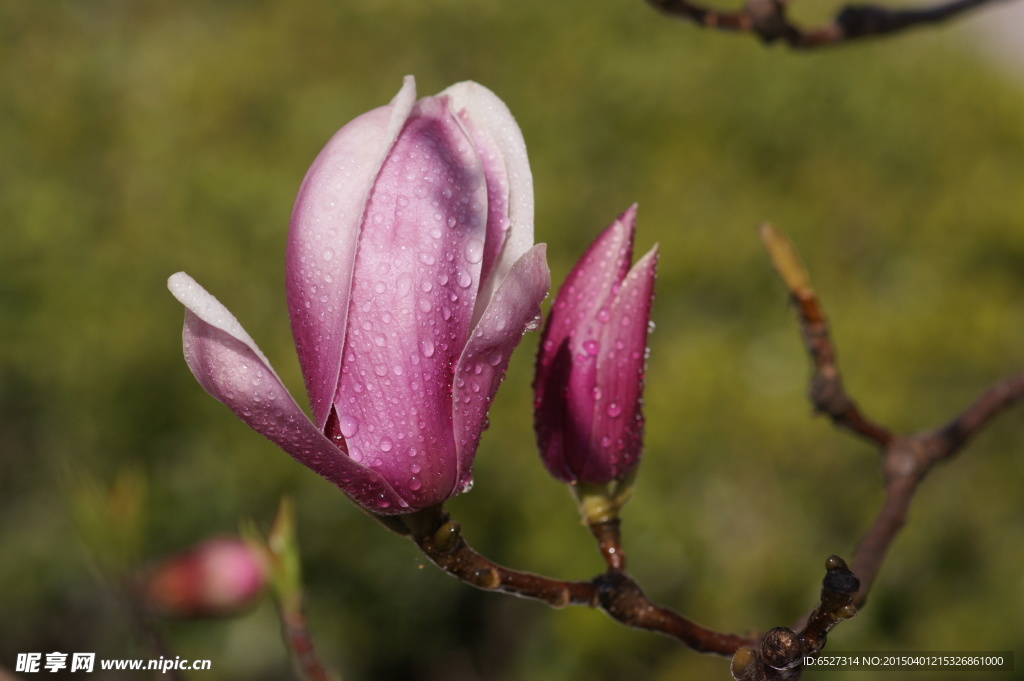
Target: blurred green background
(143, 138)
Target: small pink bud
(590, 367)
(218, 577)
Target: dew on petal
(386, 444)
(349, 425)
(426, 347)
(474, 250)
(403, 285)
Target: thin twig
(906, 459)
(768, 20)
(827, 394)
(615, 591)
(609, 543)
(299, 640)
(780, 653)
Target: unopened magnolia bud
(590, 367)
(218, 577)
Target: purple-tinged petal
(567, 360)
(323, 238)
(414, 287)
(229, 366)
(513, 309)
(503, 152)
(617, 431)
(582, 304)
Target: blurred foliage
(141, 138)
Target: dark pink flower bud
(590, 368)
(218, 577)
(411, 276)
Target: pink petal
(503, 152)
(323, 238)
(617, 430)
(515, 306)
(229, 366)
(412, 298)
(573, 334)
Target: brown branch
(780, 652)
(609, 543)
(299, 641)
(615, 592)
(768, 20)
(988, 405)
(827, 394)
(906, 459)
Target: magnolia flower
(218, 577)
(411, 276)
(590, 367)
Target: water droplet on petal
(328, 255)
(426, 347)
(474, 250)
(386, 444)
(464, 279)
(403, 285)
(349, 425)
(614, 410)
(591, 347)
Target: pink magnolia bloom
(411, 276)
(218, 577)
(590, 367)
